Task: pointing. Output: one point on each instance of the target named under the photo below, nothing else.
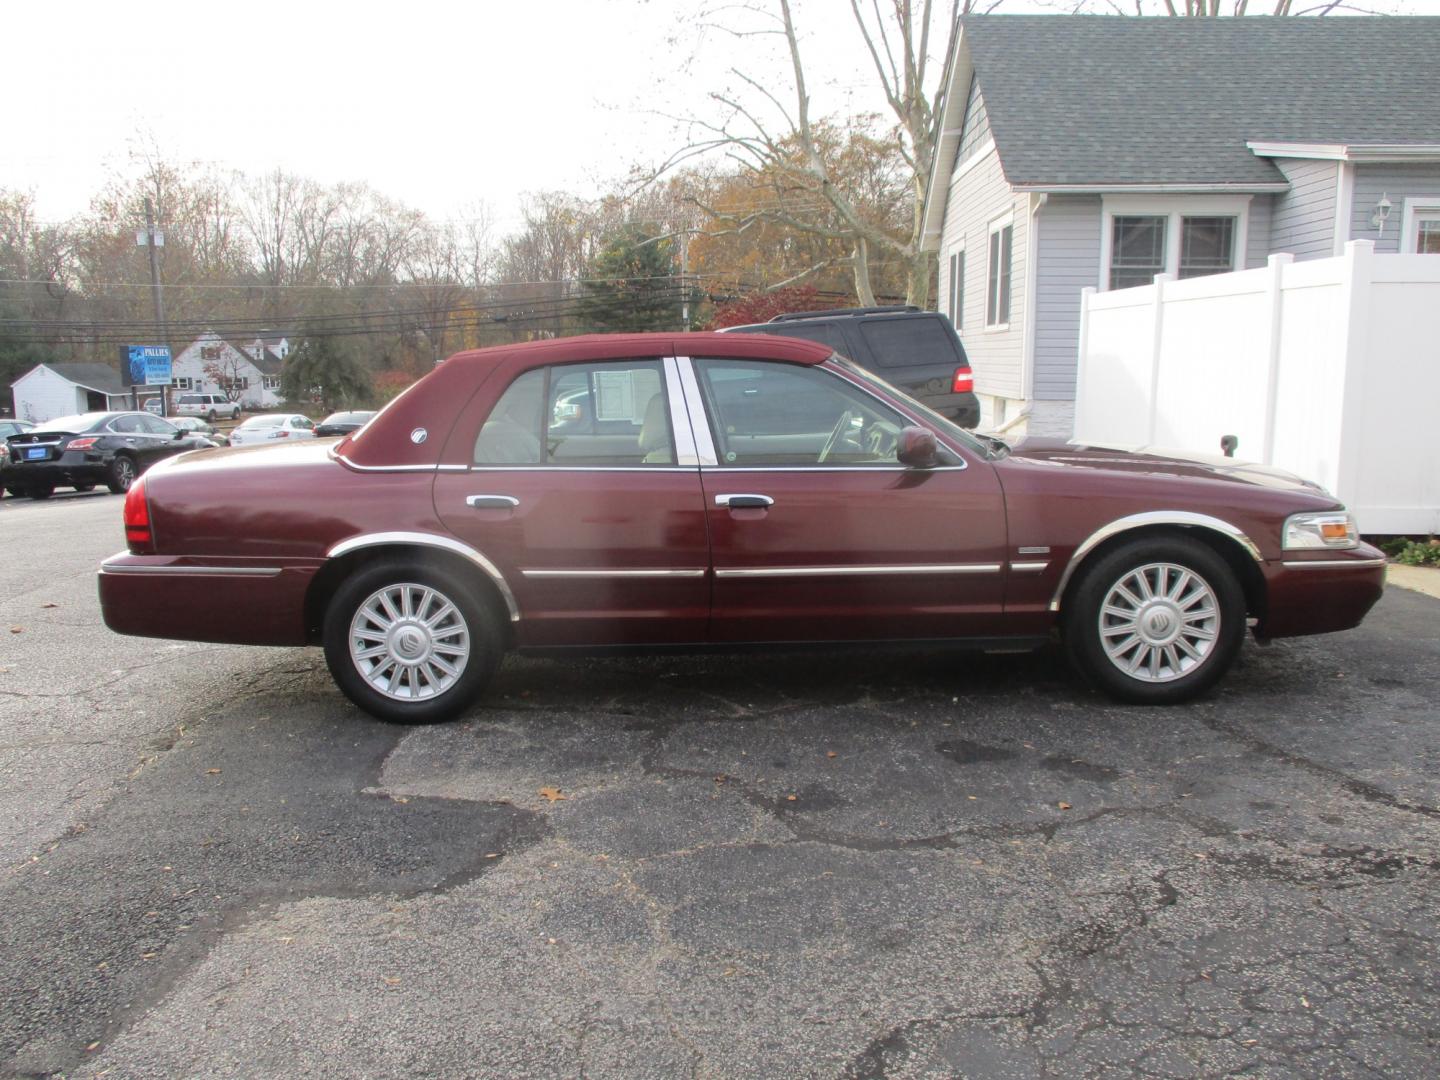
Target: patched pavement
(834, 865)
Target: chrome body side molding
(191, 571)
(435, 540)
(1334, 564)
(659, 572)
(854, 571)
(1140, 521)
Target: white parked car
(210, 406)
(272, 427)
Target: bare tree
(763, 134)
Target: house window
(1207, 246)
(1184, 236)
(270, 382)
(1420, 228)
(180, 383)
(997, 292)
(209, 352)
(1137, 250)
(957, 288)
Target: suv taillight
(138, 537)
(964, 381)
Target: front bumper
(232, 601)
(1319, 592)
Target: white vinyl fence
(1328, 368)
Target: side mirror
(918, 448)
(180, 433)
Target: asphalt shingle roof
(100, 377)
(1111, 100)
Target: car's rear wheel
(210, 417)
(1156, 621)
(122, 474)
(40, 491)
(410, 643)
(84, 487)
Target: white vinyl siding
(1303, 221)
(978, 196)
(1067, 261)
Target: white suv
(210, 406)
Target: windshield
(986, 445)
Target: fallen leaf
(1064, 806)
(720, 778)
(1304, 1001)
(791, 798)
(550, 940)
(212, 772)
(552, 793)
(492, 855)
(47, 604)
(17, 629)
(972, 798)
(391, 981)
(93, 1046)
(831, 753)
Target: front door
(818, 533)
(578, 494)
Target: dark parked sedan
(341, 423)
(726, 490)
(110, 448)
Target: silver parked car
(271, 427)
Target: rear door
(582, 485)
(818, 533)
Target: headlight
(1333, 529)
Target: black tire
(40, 491)
(121, 474)
(84, 487)
(210, 417)
(483, 626)
(1165, 632)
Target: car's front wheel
(84, 487)
(40, 491)
(410, 643)
(122, 474)
(1156, 621)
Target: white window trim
(1172, 208)
(1416, 207)
(996, 226)
(957, 248)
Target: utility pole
(152, 241)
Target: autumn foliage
(762, 307)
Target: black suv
(915, 350)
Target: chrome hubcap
(1159, 622)
(409, 642)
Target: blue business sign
(149, 365)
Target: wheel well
(1246, 569)
(328, 579)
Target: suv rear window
(909, 342)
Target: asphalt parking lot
(837, 865)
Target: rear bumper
(59, 473)
(1321, 592)
(233, 601)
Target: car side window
(304, 423)
(155, 426)
(597, 415)
(790, 415)
(126, 425)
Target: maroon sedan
(715, 490)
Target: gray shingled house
(1099, 151)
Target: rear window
(265, 421)
(191, 399)
(911, 342)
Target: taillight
(964, 381)
(82, 444)
(279, 434)
(137, 518)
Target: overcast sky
(439, 105)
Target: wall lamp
(1382, 212)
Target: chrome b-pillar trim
(1140, 521)
(680, 421)
(695, 405)
(445, 543)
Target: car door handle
(492, 502)
(744, 502)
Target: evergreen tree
(631, 285)
(322, 364)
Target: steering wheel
(840, 425)
(882, 440)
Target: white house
(48, 391)
(247, 370)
